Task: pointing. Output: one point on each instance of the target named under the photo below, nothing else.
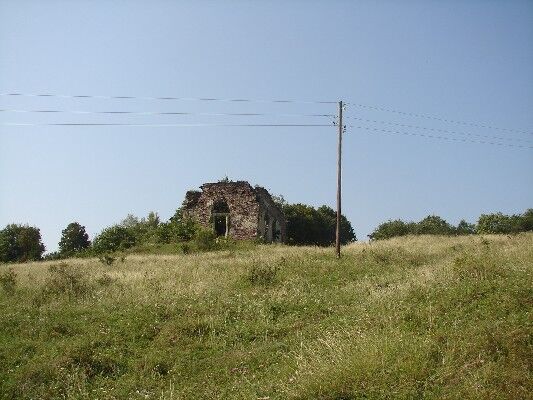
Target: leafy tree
(302, 226)
(433, 225)
(526, 221)
(498, 223)
(464, 228)
(20, 243)
(73, 239)
(329, 217)
(279, 200)
(180, 228)
(390, 229)
(114, 238)
(307, 225)
(145, 229)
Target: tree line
(306, 225)
(496, 223)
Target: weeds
(94, 363)
(106, 259)
(8, 281)
(185, 248)
(469, 266)
(105, 280)
(409, 318)
(262, 274)
(204, 240)
(64, 280)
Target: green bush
(66, 280)
(496, 223)
(204, 239)
(433, 225)
(526, 221)
(262, 274)
(144, 230)
(181, 229)
(465, 228)
(113, 239)
(106, 259)
(430, 225)
(151, 231)
(391, 229)
(501, 223)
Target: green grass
(408, 318)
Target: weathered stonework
(236, 210)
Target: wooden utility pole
(339, 167)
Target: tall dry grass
(412, 317)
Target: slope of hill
(414, 317)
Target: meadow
(416, 317)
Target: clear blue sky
(462, 60)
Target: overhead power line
(237, 100)
(160, 125)
(441, 130)
(244, 114)
(439, 137)
(410, 114)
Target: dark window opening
(276, 233)
(220, 215)
(221, 226)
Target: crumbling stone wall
(251, 211)
(272, 225)
(242, 203)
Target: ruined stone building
(236, 210)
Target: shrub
(144, 230)
(391, 229)
(204, 239)
(105, 280)
(181, 228)
(65, 280)
(8, 281)
(106, 259)
(19, 243)
(185, 248)
(498, 223)
(112, 239)
(262, 274)
(433, 225)
(464, 228)
(526, 221)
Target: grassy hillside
(414, 317)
